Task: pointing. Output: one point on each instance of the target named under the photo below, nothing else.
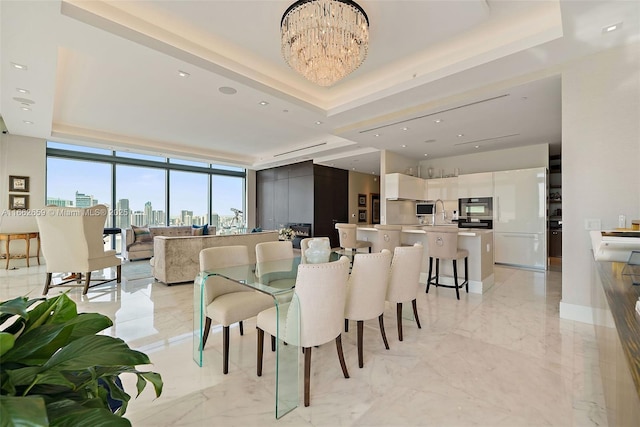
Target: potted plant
(56, 370)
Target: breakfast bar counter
(478, 242)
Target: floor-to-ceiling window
(142, 189)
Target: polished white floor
(504, 358)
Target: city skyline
(142, 186)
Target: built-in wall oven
(475, 212)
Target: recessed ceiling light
(263, 103)
(25, 108)
(353, 169)
(318, 122)
(22, 90)
(19, 66)
(24, 101)
(405, 128)
(437, 121)
(404, 145)
(28, 122)
(477, 146)
(285, 111)
(425, 154)
(183, 73)
(227, 90)
(460, 135)
(377, 134)
(613, 27)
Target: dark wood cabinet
(303, 193)
(555, 243)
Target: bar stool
(388, 237)
(348, 238)
(443, 245)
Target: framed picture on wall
(362, 200)
(375, 209)
(362, 215)
(19, 183)
(18, 201)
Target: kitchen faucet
(435, 211)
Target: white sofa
(133, 250)
(175, 259)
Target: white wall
(361, 183)
(531, 156)
(21, 156)
(600, 161)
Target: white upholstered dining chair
(273, 258)
(404, 280)
(227, 302)
(320, 292)
(72, 243)
(366, 292)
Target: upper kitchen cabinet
(442, 188)
(475, 185)
(399, 186)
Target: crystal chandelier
(324, 40)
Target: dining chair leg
(360, 351)
(241, 328)
(455, 278)
(260, 345)
(205, 333)
(273, 343)
(225, 350)
(47, 283)
(343, 365)
(399, 320)
(384, 335)
(307, 374)
(87, 281)
(346, 325)
(415, 313)
(119, 274)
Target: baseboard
(585, 314)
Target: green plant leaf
(96, 350)
(154, 378)
(23, 411)
(6, 342)
(58, 309)
(38, 345)
(94, 417)
(14, 306)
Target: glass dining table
(276, 279)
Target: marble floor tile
(503, 358)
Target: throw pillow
(142, 234)
(202, 230)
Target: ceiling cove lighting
(324, 40)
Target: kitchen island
(478, 242)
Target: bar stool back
(388, 237)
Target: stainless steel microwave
(475, 207)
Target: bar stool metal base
(456, 285)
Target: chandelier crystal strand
(324, 40)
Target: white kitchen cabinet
(520, 249)
(442, 188)
(519, 217)
(399, 186)
(475, 185)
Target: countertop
(423, 229)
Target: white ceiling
(106, 73)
